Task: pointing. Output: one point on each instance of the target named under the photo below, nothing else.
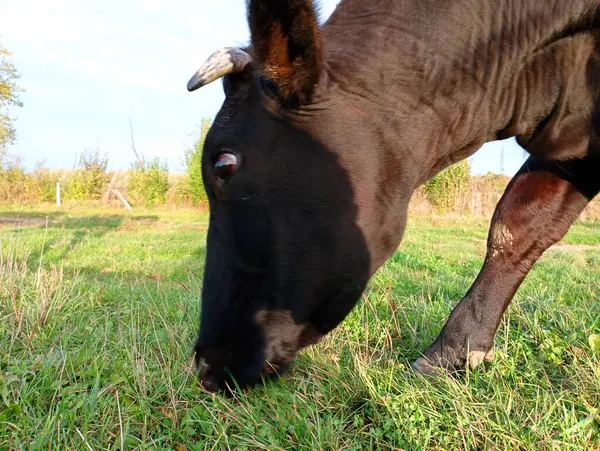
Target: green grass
(99, 309)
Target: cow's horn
(224, 61)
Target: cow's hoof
(425, 367)
(478, 357)
(434, 362)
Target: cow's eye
(225, 165)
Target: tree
(445, 189)
(9, 91)
(193, 160)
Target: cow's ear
(286, 43)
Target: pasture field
(99, 309)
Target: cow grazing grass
(98, 314)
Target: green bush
(193, 160)
(180, 190)
(16, 185)
(497, 181)
(74, 189)
(46, 181)
(89, 180)
(445, 189)
(149, 182)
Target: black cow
(325, 133)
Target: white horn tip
(222, 62)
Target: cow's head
(286, 256)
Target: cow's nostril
(209, 385)
(271, 368)
(203, 368)
(206, 376)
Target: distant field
(99, 309)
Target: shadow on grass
(28, 218)
(190, 267)
(64, 232)
(63, 219)
(80, 228)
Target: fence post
(58, 194)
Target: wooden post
(111, 186)
(58, 194)
(117, 193)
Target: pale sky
(88, 66)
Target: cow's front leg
(535, 212)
